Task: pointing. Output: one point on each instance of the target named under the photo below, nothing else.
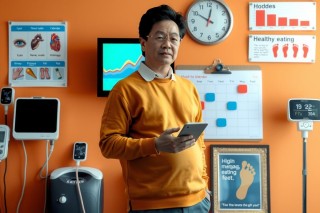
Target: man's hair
(157, 14)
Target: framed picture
(240, 178)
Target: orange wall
(81, 109)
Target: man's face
(162, 45)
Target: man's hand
(168, 143)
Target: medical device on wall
(36, 118)
(7, 98)
(304, 111)
(4, 141)
(80, 151)
(7, 95)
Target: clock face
(209, 21)
(304, 109)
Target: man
(142, 117)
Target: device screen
(80, 150)
(2, 135)
(6, 96)
(304, 109)
(36, 115)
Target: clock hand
(205, 18)
(208, 20)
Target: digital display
(117, 58)
(2, 135)
(36, 115)
(6, 96)
(80, 150)
(304, 109)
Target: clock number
(308, 106)
(195, 29)
(299, 106)
(209, 37)
(209, 4)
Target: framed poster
(37, 54)
(240, 178)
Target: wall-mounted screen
(36, 119)
(117, 58)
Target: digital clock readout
(301, 109)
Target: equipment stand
(304, 127)
(304, 174)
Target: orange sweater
(135, 114)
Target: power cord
(24, 175)
(79, 154)
(46, 166)
(78, 187)
(7, 98)
(5, 165)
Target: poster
(282, 48)
(37, 54)
(240, 178)
(282, 16)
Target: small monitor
(117, 58)
(36, 119)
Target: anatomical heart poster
(37, 54)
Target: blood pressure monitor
(304, 109)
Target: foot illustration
(295, 50)
(247, 174)
(305, 50)
(285, 50)
(275, 50)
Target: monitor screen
(36, 119)
(117, 58)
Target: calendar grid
(232, 103)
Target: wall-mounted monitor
(36, 119)
(117, 58)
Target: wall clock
(209, 21)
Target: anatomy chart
(231, 103)
(37, 54)
(282, 48)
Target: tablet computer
(194, 129)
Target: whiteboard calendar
(231, 103)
